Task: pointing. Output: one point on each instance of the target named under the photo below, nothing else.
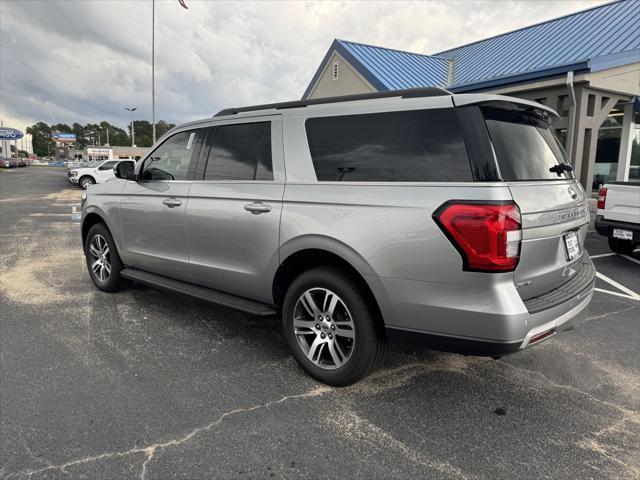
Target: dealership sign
(64, 137)
(7, 133)
(98, 151)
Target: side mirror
(125, 171)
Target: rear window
(409, 146)
(525, 146)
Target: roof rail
(408, 93)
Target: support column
(602, 105)
(578, 131)
(593, 107)
(624, 156)
(589, 159)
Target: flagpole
(153, 66)
(153, 70)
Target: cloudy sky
(85, 60)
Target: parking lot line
(617, 294)
(602, 255)
(633, 295)
(631, 258)
(610, 254)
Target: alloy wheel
(324, 328)
(100, 257)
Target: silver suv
(448, 220)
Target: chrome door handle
(172, 202)
(257, 208)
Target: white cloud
(66, 61)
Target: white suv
(96, 173)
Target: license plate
(622, 234)
(572, 244)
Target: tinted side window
(525, 145)
(107, 165)
(171, 160)
(411, 146)
(241, 152)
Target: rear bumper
(605, 227)
(485, 318)
(488, 348)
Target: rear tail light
(487, 235)
(602, 198)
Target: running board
(202, 293)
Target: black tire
(113, 280)
(86, 181)
(366, 349)
(624, 247)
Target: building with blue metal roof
(586, 65)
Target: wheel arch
(311, 254)
(87, 175)
(92, 217)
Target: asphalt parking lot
(143, 384)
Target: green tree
(163, 127)
(41, 139)
(92, 134)
(144, 133)
(117, 136)
(87, 135)
(81, 141)
(142, 130)
(61, 128)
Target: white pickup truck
(98, 172)
(618, 216)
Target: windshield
(526, 148)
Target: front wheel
(103, 261)
(624, 247)
(331, 327)
(85, 182)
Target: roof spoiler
(501, 101)
(408, 93)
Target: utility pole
(107, 136)
(153, 71)
(131, 110)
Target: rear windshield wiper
(561, 168)
(343, 171)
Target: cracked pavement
(143, 384)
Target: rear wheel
(85, 182)
(331, 327)
(103, 261)
(624, 247)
